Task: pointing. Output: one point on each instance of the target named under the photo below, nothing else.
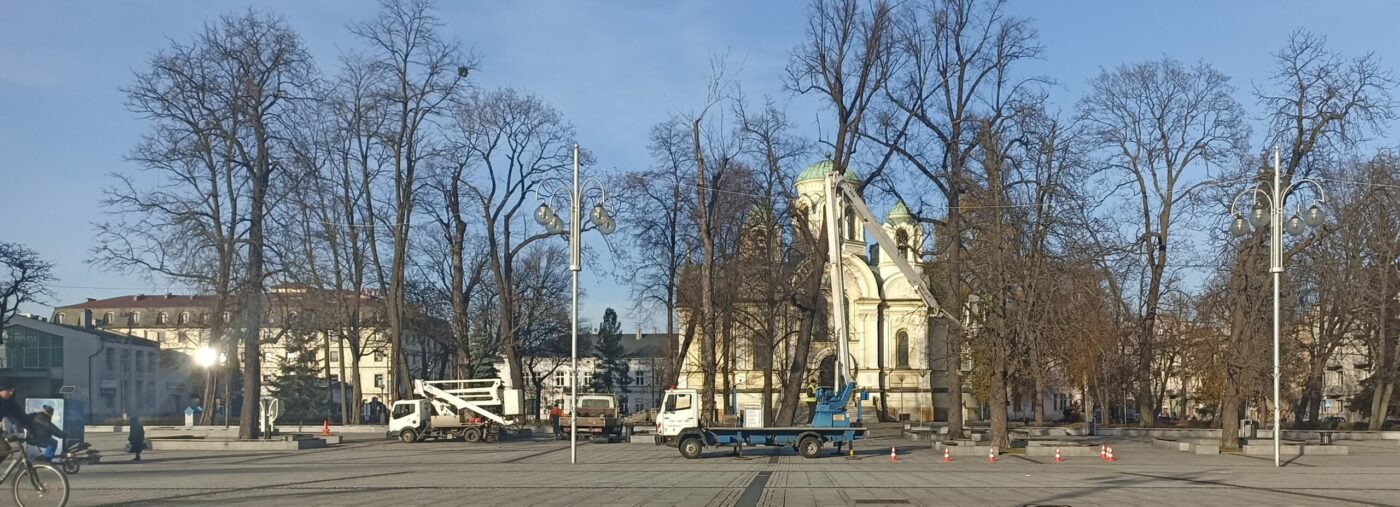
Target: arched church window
(901, 349)
(851, 231)
(901, 241)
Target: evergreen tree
(612, 375)
(297, 383)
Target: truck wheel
(408, 436)
(472, 435)
(810, 447)
(690, 447)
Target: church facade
(890, 330)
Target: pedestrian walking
(137, 439)
(554, 414)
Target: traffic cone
(326, 428)
(947, 455)
(1110, 457)
(892, 457)
(1103, 452)
(991, 455)
(1058, 459)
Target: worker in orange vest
(554, 414)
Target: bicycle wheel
(46, 487)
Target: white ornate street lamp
(604, 223)
(1268, 211)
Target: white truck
(597, 418)
(470, 410)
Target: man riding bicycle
(9, 408)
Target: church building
(890, 331)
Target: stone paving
(537, 472)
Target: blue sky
(613, 68)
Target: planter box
(1065, 451)
(1295, 450)
(201, 444)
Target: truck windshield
(594, 403)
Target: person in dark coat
(9, 408)
(137, 440)
(44, 432)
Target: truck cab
(411, 415)
(680, 409)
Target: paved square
(537, 472)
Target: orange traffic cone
(1103, 452)
(947, 455)
(991, 455)
(1058, 459)
(1110, 457)
(326, 428)
(892, 458)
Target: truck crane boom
(838, 188)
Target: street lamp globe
(1314, 216)
(1294, 226)
(543, 215)
(1259, 216)
(1240, 227)
(602, 220)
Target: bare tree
(656, 206)
(420, 73)
(845, 60)
(956, 62)
(220, 109)
(521, 143)
(26, 279)
(1154, 121)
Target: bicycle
(36, 484)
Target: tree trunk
(997, 402)
(797, 366)
(955, 305)
(707, 303)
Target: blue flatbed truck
(678, 424)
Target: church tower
(907, 234)
(811, 201)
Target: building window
(587, 380)
(558, 379)
(184, 318)
(640, 380)
(140, 362)
(378, 356)
(901, 349)
(335, 356)
(58, 319)
(162, 319)
(638, 407)
(108, 317)
(379, 380)
(135, 318)
(111, 359)
(204, 318)
(126, 359)
(226, 317)
(151, 362)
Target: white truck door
(677, 413)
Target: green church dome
(818, 171)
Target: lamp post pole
(574, 268)
(604, 224)
(1271, 213)
(1276, 268)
